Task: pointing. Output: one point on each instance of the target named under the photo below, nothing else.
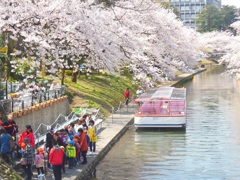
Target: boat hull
(160, 122)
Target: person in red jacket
(56, 158)
(126, 95)
(28, 133)
(83, 145)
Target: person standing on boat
(139, 91)
(127, 96)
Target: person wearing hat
(39, 160)
(28, 133)
(28, 153)
(71, 154)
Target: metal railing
(27, 100)
(120, 106)
(59, 123)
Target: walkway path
(112, 129)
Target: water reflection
(208, 149)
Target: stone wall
(46, 115)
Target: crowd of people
(66, 147)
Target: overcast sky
(231, 2)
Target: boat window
(162, 107)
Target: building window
(184, 8)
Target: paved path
(109, 134)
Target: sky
(231, 2)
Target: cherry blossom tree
(228, 44)
(232, 56)
(139, 35)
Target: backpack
(71, 151)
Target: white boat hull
(166, 121)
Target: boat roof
(163, 93)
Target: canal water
(209, 148)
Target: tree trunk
(63, 76)
(74, 76)
(43, 68)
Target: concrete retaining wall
(87, 171)
(182, 80)
(46, 115)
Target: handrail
(119, 107)
(58, 126)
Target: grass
(99, 91)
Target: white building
(190, 9)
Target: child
(71, 154)
(92, 137)
(76, 144)
(28, 158)
(39, 160)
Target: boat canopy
(163, 93)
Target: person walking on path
(5, 140)
(56, 158)
(92, 137)
(49, 144)
(127, 96)
(28, 133)
(10, 126)
(39, 161)
(83, 145)
(29, 154)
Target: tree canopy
(141, 36)
(227, 45)
(212, 19)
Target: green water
(208, 149)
